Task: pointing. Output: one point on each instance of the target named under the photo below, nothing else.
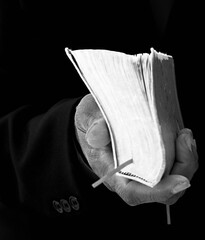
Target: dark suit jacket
(45, 181)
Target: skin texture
(94, 139)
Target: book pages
(125, 90)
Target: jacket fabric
(45, 180)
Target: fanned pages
(138, 99)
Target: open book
(138, 98)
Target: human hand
(94, 138)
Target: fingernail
(188, 139)
(181, 187)
(97, 135)
(89, 134)
(185, 131)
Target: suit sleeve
(42, 168)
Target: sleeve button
(57, 206)
(64, 203)
(74, 203)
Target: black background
(35, 70)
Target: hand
(94, 138)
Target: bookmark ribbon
(111, 173)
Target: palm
(93, 136)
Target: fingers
(167, 191)
(89, 119)
(93, 130)
(171, 187)
(87, 112)
(186, 155)
(97, 135)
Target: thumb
(89, 121)
(186, 162)
(98, 135)
(135, 193)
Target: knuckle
(86, 112)
(128, 198)
(165, 197)
(130, 201)
(174, 198)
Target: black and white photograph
(101, 118)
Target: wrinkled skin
(93, 136)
